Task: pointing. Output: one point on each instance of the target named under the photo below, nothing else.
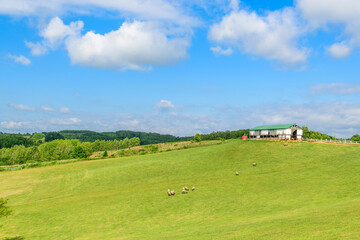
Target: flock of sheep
(184, 190)
(237, 173)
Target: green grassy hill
(302, 191)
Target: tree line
(35, 139)
(61, 149)
(145, 138)
(311, 134)
(225, 134)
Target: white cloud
(221, 51)
(64, 110)
(135, 45)
(56, 31)
(47, 109)
(272, 36)
(164, 105)
(37, 49)
(321, 13)
(335, 88)
(20, 107)
(20, 59)
(68, 121)
(54, 35)
(339, 50)
(12, 124)
(144, 9)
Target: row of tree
(145, 138)
(311, 134)
(225, 135)
(61, 149)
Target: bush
(79, 152)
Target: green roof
(272, 127)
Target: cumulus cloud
(335, 88)
(321, 13)
(12, 124)
(20, 107)
(20, 59)
(221, 51)
(136, 45)
(47, 109)
(56, 31)
(164, 105)
(64, 110)
(339, 50)
(272, 36)
(54, 35)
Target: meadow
(300, 191)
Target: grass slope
(303, 191)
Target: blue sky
(179, 67)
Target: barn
(283, 131)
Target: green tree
(105, 154)
(197, 137)
(306, 132)
(356, 137)
(38, 138)
(50, 136)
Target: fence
(332, 141)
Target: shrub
(79, 152)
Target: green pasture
(302, 191)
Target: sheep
(169, 193)
(184, 191)
(285, 144)
(172, 192)
(254, 164)
(186, 188)
(193, 188)
(237, 174)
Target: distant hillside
(145, 138)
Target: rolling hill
(302, 191)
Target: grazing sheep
(172, 192)
(237, 174)
(184, 191)
(285, 144)
(186, 188)
(193, 188)
(169, 193)
(254, 164)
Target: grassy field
(302, 191)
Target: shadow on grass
(14, 238)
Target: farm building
(284, 131)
